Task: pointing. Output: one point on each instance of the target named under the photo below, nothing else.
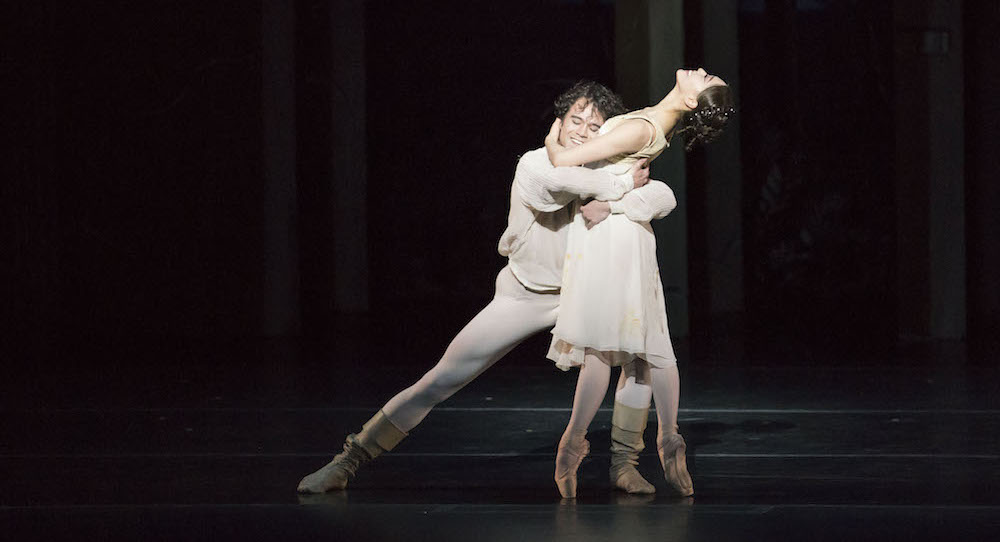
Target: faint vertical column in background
(982, 77)
(649, 48)
(911, 166)
(280, 313)
(723, 174)
(350, 198)
(947, 150)
(930, 168)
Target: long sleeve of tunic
(652, 201)
(546, 188)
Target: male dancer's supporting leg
(514, 315)
(591, 387)
(628, 422)
(670, 445)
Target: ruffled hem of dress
(567, 355)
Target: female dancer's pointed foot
(573, 447)
(673, 457)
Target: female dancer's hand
(552, 140)
(595, 212)
(552, 146)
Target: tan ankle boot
(573, 447)
(627, 426)
(672, 451)
(378, 435)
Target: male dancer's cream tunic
(543, 202)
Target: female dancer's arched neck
(668, 111)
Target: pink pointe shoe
(572, 449)
(672, 451)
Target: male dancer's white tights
(514, 315)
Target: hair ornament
(714, 111)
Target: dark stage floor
(208, 444)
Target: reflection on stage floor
(210, 445)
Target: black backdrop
(134, 203)
(455, 96)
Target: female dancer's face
(690, 83)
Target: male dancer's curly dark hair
(706, 122)
(608, 103)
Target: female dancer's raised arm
(626, 138)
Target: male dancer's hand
(640, 173)
(595, 212)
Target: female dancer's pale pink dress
(612, 298)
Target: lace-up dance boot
(627, 426)
(378, 435)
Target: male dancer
(543, 202)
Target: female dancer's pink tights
(637, 382)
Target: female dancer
(605, 323)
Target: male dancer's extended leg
(670, 445)
(514, 315)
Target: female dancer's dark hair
(706, 122)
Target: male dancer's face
(581, 123)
